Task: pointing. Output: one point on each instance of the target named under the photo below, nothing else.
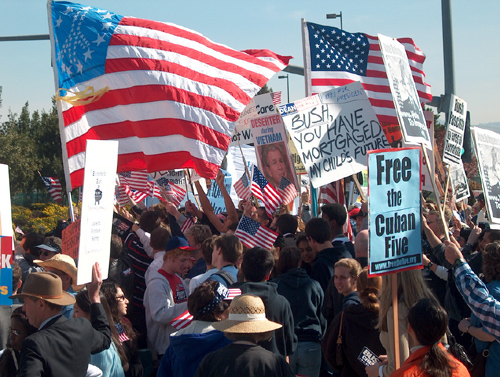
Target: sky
(26, 74)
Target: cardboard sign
(271, 145)
(258, 106)
(97, 207)
(487, 145)
(394, 210)
(6, 270)
(404, 93)
(333, 131)
(5, 206)
(455, 128)
(71, 239)
(215, 196)
(458, 180)
(177, 177)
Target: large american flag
(336, 57)
(54, 187)
(265, 191)
(167, 93)
(252, 234)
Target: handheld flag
(252, 234)
(54, 187)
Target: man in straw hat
(246, 325)
(61, 347)
(63, 266)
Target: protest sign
(297, 162)
(71, 239)
(333, 132)
(258, 106)
(244, 137)
(455, 128)
(487, 145)
(5, 206)
(177, 177)
(394, 210)
(404, 93)
(215, 196)
(97, 207)
(271, 146)
(5, 270)
(235, 165)
(459, 183)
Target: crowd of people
(195, 301)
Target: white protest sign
(97, 207)
(455, 128)
(271, 145)
(235, 165)
(176, 177)
(333, 132)
(5, 206)
(394, 210)
(487, 145)
(458, 180)
(404, 93)
(258, 106)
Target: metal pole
(287, 90)
(449, 68)
(36, 37)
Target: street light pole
(335, 15)
(287, 87)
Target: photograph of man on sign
(274, 163)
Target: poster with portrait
(271, 146)
(487, 145)
(404, 93)
(458, 180)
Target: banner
(455, 128)
(97, 207)
(458, 180)
(333, 131)
(404, 93)
(6, 270)
(394, 210)
(271, 146)
(487, 145)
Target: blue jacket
(182, 357)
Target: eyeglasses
(120, 298)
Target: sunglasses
(120, 298)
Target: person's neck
(168, 269)
(325, 245)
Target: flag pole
(249, 176)
(433, 181)
(395, 323)
(192, 188)
(358, 186)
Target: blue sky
(26, 74)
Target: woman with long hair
(427, 324)
(20, 328)
(118, 303)
(112, 361)
(357, 319)
(411, 288)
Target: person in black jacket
(256, 268)
(306, 299)
(51, 350)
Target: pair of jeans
(306, 360)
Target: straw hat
(45, 286)
(247, 315)
(65, 264)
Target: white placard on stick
(333, 131)
(455, 128)
(404, 93)
(5, 206)
(97, 207)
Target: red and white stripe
(137, 180)
(182, 321)
(173, 98)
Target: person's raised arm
(208, 209)
(232, 214)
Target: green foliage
(42, 218)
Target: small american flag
(122, 335)
(18, 230)
(287, 190)
(54, 187)
(154, 190)
(137, 180)
(265, 192)
(174, 192)
(276, 98)
(252, 234)
(187, 224)
(135, 195)
(182, 321)
(242, 187)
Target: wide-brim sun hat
(45, 286)
(247, 315)
(65, 264)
